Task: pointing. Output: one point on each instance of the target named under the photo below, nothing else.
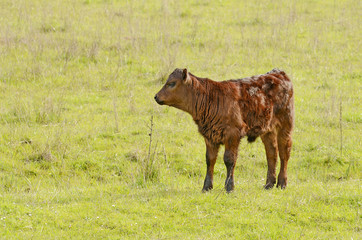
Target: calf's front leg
(230, 156)
(211, 155)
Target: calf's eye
(172, 84)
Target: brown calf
(229, 110)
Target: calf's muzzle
(158, 100)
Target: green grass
(77, 80)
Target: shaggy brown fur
(227, 111)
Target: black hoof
(281, 185)
(206, 189)
(229, 188)
(268, 186)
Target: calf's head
(175, 91)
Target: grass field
(77, 80)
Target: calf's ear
(186, 76)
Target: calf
(229, 110)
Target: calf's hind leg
(271, 149)
(211, 155)
(285, 146)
